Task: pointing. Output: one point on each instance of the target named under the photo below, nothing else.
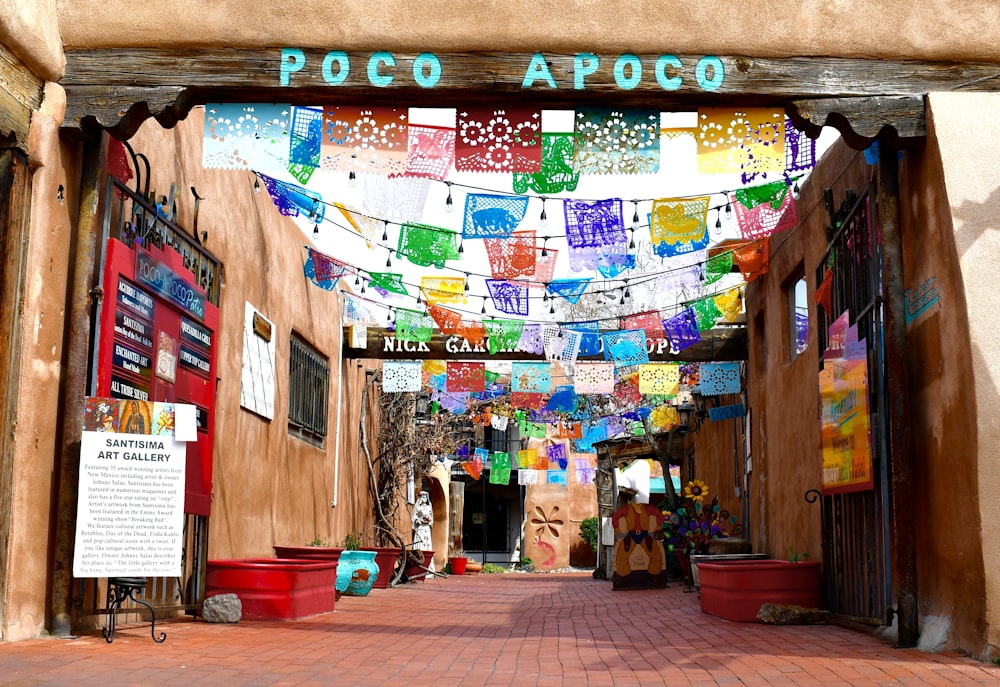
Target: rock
(783, 614)
(728, 545)
(222, 608)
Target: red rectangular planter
(735, 590)
(275, 588)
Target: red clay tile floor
(547, 630)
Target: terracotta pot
(735, 590)
(415, 573)
(386, 557)
(275, 588)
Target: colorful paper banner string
(557, 455)
(617, 141)
(730, 303)
(527, 478)
(590, 341)
(663, 418)
(720, 378)
(617, 425)
(682, 330)
(763, 210)
(625, 347)
(706, 313)
(536, 430)
(590, 226)
(499, 467)
(679, 225)
(592, 432)
(824, 293)
(453, 323)
(453, 402)
(443, 289)
(611, 262)
(556, 478)
(527, 459)
(513, 256)
(557, 174)
(412, 325)
(569, 289)
(800, 154)
(753, 258)
(427, 246)
(659, 379)
(585, 472)
(650, 322)
(465, 376)
(489, 216)
(746, 141)
(499, 422)
(594, 378)
(365, 139)
(322, 270)
(306, 136)
(401, 377)
(685, 272)
(356, 311)
(438, 380)
(474, 466)
(292, 200)
(507, 140)
(569, 430)
(560, 344)
(387, 282)
(503, 334)
(395, 199)
(246, 136)
(562, 400)
(508, 297)
(431, 151)
(526, 399)
(531, 377)
(718, 266)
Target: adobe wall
(30, 29)
(938, 29)
(714, 461)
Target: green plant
(351, 542)
(316, 541)
(588, 532)
(997, 660)
(490, 568)
(796, 557)
(526, 564)
(694, 523)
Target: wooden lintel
(20, 95)
(104, 86)
(861, 120)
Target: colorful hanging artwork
(730, 303)
(590, 341)
(499, 467)
(562, 400)
(455, 403)
(503, 334)
(763, 210)
(569, 289)
(663, 418)
(824, 293)
(387, 282)
(412, 325)
(753, 258)
(544, 268)
(585, 472)
(659, 379)
(685, 272)
(682, 330)
(527, 459)
(363, 225)
(475, 465)
(401, 377)
(706, 313)
(626, 347)
(365, 139)
(650, 321)
(556, 477)
(557, 455)
(443, 289)
(526, 399)
(610, 262)
(512, 257)
(434, 367)
(438, 380)
(557, 174)
(427, 246)
(720, 378)
(306, 137)
(594, 378)
(452, 323)
(508, 297)
(499, 422)
(292, 200)
(592, 226)
(503, 140)
(718, 266)
(431, 151)
(746, 141)
(527, 478)
(489, 216)
(616, 141)
(322, 270)
(800, 154)
(395, 199)
(617, 425)
(536, 430)
(569, 430)
(531, 340)
(531, 377)
(679, 225)
(592, 432)
(356, 311)
(560, 344)
(246, 136)
(465, 376)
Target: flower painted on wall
(696, 490)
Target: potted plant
(317, 549)
(456, 564)
(357, 571)
(387, 558)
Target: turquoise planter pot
(356, 573)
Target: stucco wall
(962, 230)
(30, 28)
(934, 29)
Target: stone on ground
(784, 614)
(222, 608)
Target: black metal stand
(121, 589)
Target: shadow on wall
(973, 219)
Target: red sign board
(157, 343)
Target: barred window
(308, 391)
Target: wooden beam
(20, 95)
(861, 120)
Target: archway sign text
(578, 72)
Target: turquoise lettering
(584, 64)
(671, 83)
(427, 70)
(292, 60)
(343, 67)
(374, 77)
(538, 69)
(718, 73)
(635, 72)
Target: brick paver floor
(513, 629)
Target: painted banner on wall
(845, 426)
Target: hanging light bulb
(419, 300)
(635, 216)
(718, 219)
(256, 185)
(631, 243)
(552, 307)
(543, 219)
(483, 311)
(357, 279)
(627, 294)
(385, 231)
(316, 230)
(467, 275)
(449, 204)
(545, 296)
(795, 188)
(362, 289)
(388, 260)
(545, 252)
(352, 179)
(388, 317)
(729, 207)
(461, 246)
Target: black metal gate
(857, 578)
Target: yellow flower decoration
(696, 490)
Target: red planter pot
(275, 588)
(415, 573)
(735, 590)
(318, 553)
(457, 564)
(386, 557)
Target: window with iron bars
(308, 392)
